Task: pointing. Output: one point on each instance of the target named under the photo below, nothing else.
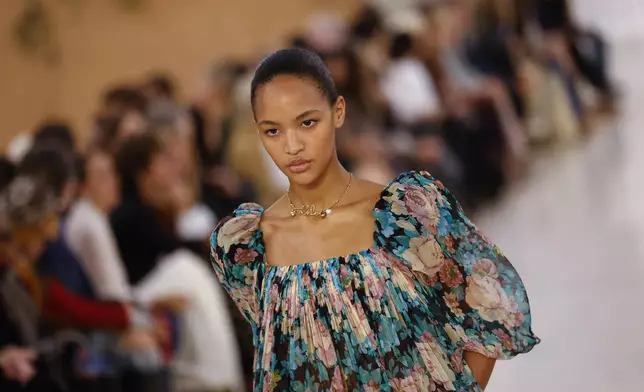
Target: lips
(299, 165)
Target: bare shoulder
(275, 216)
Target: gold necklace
(311, 210)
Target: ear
(339, 112)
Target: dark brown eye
(272, 132)
(309, 123)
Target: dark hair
(401, 45)
(126, 98)
(7, 172)
(80, 162)
(367, 23)
(55, 131)
(296, 62)
(108, 128)
(26, 201)
(353, 87)
(162, 84)
(134, 156)
(298, 41)
(55, 166)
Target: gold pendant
(311, 211)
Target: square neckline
(259, 237)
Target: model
(352, 287)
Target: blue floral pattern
(395, 317)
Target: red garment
(69, 308)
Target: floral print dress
(394, 317)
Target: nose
(293, 143)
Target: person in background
(216, 120)
(88, 232)
(55, 132)
(466, 87)
(122, 114)
(114, 128)
(90, 237)
(159, 86)
(345, 69)
(370, 41)
(18, 365)
(578, 51)
(30, 208)
(408, 86)
(149, 192)
(56, 166)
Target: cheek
(275, 149)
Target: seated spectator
(55, 166)
(55, 132)
(408, 86)
(149, 191)
(466, 86)
(370, 41)
(158, 262)
(88, 231)
(112, 129)
(56, 290)
(577, 50)
(122, 115)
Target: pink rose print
(243, 256)
(422, 208)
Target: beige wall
(101, 43)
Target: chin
(303, 179)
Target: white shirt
(89, 235)
(410, 91)
(208, 357)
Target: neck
(98, 206)
(324, 190)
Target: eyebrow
(299, 117)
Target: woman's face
(297, 126)
(102, 183)
(157, 180)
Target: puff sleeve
(481, 293)
(236, 256)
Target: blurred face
(155, 183)
(132, 124)
(101, 183)
(297, 126)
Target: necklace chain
(311, 210)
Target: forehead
(288, 95)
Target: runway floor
(575, 231)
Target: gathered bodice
(395, 316)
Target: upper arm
(480, 366)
